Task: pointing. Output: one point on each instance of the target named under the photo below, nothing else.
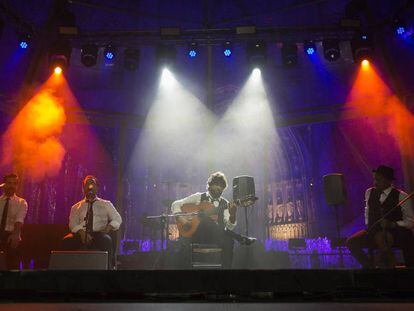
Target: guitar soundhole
(187, 227)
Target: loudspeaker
(334, 187)
(243, 188)
(78, 260)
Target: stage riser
(265, 285)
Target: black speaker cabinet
(243, 188)
(78, 260)
(334, 187)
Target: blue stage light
(400, 30)
(309, 47)
(192, 53)
(310, 51)
(24, 41)
(23, 44)
(227, 49)
(110, 52)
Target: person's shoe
(247, 240)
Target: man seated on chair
(379, 200)
(91, 221)
(13, 210)
(209, 231)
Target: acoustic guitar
(187, 225)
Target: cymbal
(167, 202)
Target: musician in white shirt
(90, 221)
(13, 210)
(383, 213)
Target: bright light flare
(58, 70)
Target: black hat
(386, 171)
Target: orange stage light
(58, 70)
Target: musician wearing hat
(383, 215)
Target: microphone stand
(164, 231)
(87, 226)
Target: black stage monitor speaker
(334, 187)
(78, 260)
(243, 189)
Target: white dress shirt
(196, 199)
(406, 209)
(104, 213)
(16, 212)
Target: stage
(221, 286)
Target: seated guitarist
(210, 231)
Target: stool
(206, 256)
(78, 260)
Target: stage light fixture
(331, 50)
(256, 54)
(24, 41)
(59, 54)
(110, 52)
(309, 47)
(192, 50)
(89, 55)
(289, 54)
(131, 58)
(227, 48)
(58, 70)
(399, 26)
(362, 47)
(166, 55)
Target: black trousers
(209, 232)
(100, 241)
(13, 255)
(403, 238)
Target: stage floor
(208, 286)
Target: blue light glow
(400, 30)
(310, 51)
(227, 52)
(23, 44)
(192, 53)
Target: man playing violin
(383, 230)
(209, 230)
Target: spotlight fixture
(227, 48)
(331, 50)
(59, 55)
(256, 54)
(362, 47)
(131, 58)
(24, 41)
(192, 50)
(166, 55)
(289, 54)
(89, 55)
(399, 26)
(110, 52)
(309, 47)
